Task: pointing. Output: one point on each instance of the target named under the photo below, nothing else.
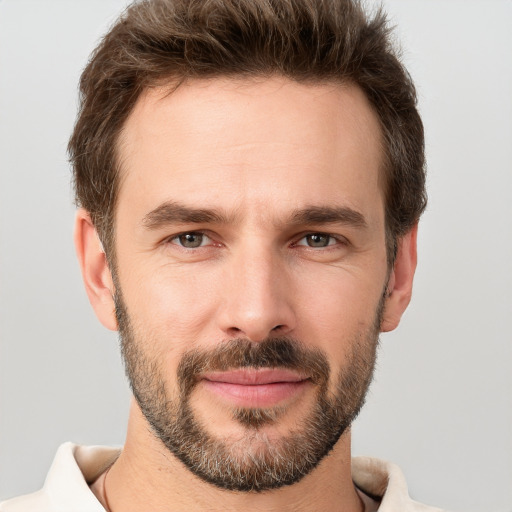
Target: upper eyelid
(295, 239)
(336, 236)
(169, 239)
(187, 232)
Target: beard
(255, 462)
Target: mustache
(277, 352)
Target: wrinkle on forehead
(198, 103)
(266, 143)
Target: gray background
(441, 403)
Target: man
(250, 175)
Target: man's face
(251, 271)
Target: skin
(255, 152)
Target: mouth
(256, 388)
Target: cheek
(336, 310)
(172, 305)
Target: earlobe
(95, 270)
(399, 288)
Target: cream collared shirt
(66, 488)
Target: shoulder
(385, 482)
(31, 502)
(67, 484)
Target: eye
(191, 240)
(318, 240)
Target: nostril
(277, 327)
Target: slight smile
(256, 388)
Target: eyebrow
(329, 215)
(172, 212)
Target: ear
(95, 271)
(399, 289)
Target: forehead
(251, 142)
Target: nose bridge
(257, 294)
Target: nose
(257, 295)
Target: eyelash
(188, 233)
(338, 240)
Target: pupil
(318, 240)
(191, 240)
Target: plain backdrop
(440, 405)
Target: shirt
(67, 489)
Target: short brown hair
(168, 41)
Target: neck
(147, 477)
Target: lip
(255, 388)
